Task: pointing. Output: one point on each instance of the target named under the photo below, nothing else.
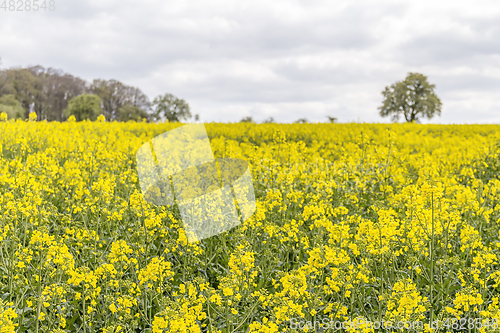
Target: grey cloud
(324, 75)
(451, 47)
(468, 82)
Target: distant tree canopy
(44, 91)
(132, 112)
(247, 120)
(11, 106)
(332, 119)
(47, 92)
(413, 98)
(170, 108)
(300, 121)
(119, 100)
(84, 107)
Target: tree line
(55, 96)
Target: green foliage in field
(11, 106)
(84, 107)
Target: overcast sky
(282, 59)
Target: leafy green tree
(247, 120)
(131, 112)
(43, 91)
(26, 88)
(171, 108)
(57, 89)
(269, 120)
(413, 98)
(116, 95)
(10, 105)
(332, 119)
(84, 107)
(300, 121)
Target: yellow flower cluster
(7, 317)
(405, 303)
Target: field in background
(353, 222)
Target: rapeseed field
(355, 223)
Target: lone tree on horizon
(171, 108)
(413, 98)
